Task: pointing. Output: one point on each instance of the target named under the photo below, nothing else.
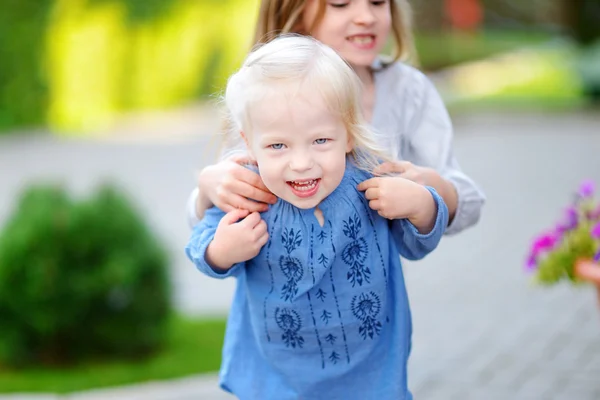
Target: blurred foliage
(23, 84)
(588, 66)
(544, 76)
(79, 280)
(192, 347)
(438, 51)
(582, 18)
(75, 64)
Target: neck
(365, 75)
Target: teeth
(362, 39)
(304, 185)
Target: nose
(301, 161)
(364, 13)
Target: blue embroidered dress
(322, 312)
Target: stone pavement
(481, 330)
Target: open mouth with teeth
(305, 187)
(363, 41)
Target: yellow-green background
(75, 64)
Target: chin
(305, 204)
(362, 61)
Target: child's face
(300, 147)
(356, 29)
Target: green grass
(193, 346)
(443, 49)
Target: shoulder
(410, 92)
(406, 84)
(407, 77)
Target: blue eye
(276, 146)
(321, 141)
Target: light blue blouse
(322, 312)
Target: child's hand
(424, 176)
(394, 197)
(235, 241)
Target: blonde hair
(280, 17)
(277, 17)
(301, 61)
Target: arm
(413, 245)
(220, 245)
(203, 235)
(430, 136)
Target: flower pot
(589, 270)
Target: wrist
(216, 257)
(203, 201)
(450, 197)
(425, 215)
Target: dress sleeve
(202, 234)
(413, 245)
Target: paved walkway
(481, 331)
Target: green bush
(79, 280)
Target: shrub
(79, 280)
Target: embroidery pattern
(355, 253)
(365, 308)
(272, 289)
(335, 356)
(290, 323)
(290, 266)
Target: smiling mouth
(304, 185)
(362, 40)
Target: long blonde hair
(295, 61)
(277, 17)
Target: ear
(349, 144)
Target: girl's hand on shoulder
(237, 241)
(422, 175)
(229, 185)
(394, 197)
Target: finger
(242, 159)
(252, 206)
(396, 167)
(251, 192)
(588, 270)
(253, 179)
(252, 220)
(412, 175)
(372, 193)
(383, 168)
(375, 205)
(263, 239)
(261, 228)
(233, 216)
(369, 183)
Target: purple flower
(531, 263)
(596, 231)
(586, 189)
(597, 256)
(570, 220)
(543, 243)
